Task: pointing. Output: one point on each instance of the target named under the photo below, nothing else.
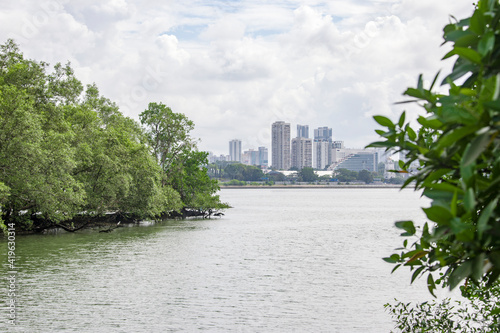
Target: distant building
(354, 159)
(250, 157)
(235, 150)
(263, 157)
(322, 154)
(303, 131)
(301, 153)
(280, 133)
(338, 145)
(322, 146)
(323, 134)
(213, 158)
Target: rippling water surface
(282, 260)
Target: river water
(281, 260)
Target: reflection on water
(279, 261)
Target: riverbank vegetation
(69, 156)
(457, 148)
(234, 173)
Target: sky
(235, 67)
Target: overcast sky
(235, 67)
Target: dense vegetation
(67, 154)
(458, 149)
(248, 173)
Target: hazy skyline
(235, 67)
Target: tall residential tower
(301, 153)
(235, 150)
(280, 133)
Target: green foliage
(307, 175)
(65, 150)
(457, 149)
(243, 172)
(276, 176)
(183, 166)
(365, 176)
(168, 134)
(478, 313)
(345, 175)
(4, 193)
(235, 182)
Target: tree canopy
(67, 151)
(458, 150)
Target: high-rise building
(322, 154)
(303, 131)
(263, 157)
(322, 147)
(235, 150)
(338, 145)
(323, 134)
(301, 153)
(250, 157)
(280, 133)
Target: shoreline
(308, 186)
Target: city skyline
(235, 67)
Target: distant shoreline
(309, 186)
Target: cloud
(235, 67)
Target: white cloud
(236, 67)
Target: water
(282, 260)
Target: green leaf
(434, 81)
(415, 93)
(431, 285)
(396, 267)
(430, 122)
(444, 187)
(384, 121)
(462, 230)
(454, 135)
(382, 144)
(477, 22)
(438, 194)
(438, 214)
(458, 72)
(411, 133)
(466, 53)
(420, 83)
(467, 173)
(486, 44)
(482, 223)
(401, 164)
(460, 273)
(469, 200)
(475, 148)
(407, 226)
(392, 259)
(402, 119)
(495, 105)
(417, 273)
(478, 266)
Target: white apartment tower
(321, 154)
(303, 131)
(301, 153)
(280, 133)
(235, 150)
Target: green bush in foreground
(477, 314)
(457, 153)
(457, 149)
